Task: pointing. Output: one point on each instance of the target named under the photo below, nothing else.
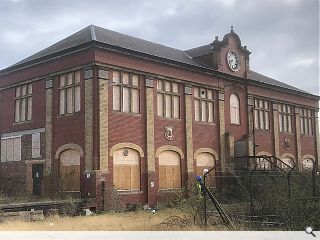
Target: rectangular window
(261, 114)
(203, 105)
(23, 103)
(36, 145)
(69, 93)
(168, 99)
(11, 149)
(306, 122)
(285, 118)
(126, 92)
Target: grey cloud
(278, 32)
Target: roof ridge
(93, 32)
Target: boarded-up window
(287, 163)
(234, 109)
(126, 92)
(11, 149)
(169, 170)
(126, 169)
(168, 99)
(23, 103)
(69, 93)
(35, 145)
(307, 165)
(206, 161)
(70, 170)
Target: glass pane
(29, 110)
(125, 78)
(203, 93)
(135, 100)
(62, 101)
(77, 99)
(302, 125)
(116, 77)
(29, 88)
(18, 89)
(261, 120)
(69, 78)
(175, 87)
(266, 118)
(135, 80)
(309, 127)
(62, 80)
(289, 124)
(17, 149)
(197, 110)
(266, 105)
(209, 93)
(176, 107)
(280, 123)
(260, 104)
(285, 126)
(125, 100)
(159, 85)
(23, 110)
(167, 86)
(69, 100)
(17, 111)
(3, 150)
(77, 77)
(210, 111)
(168, 106)
(203, 111)
(9, 150)
(24, 90)
(256, 103)
(160, 104)
(196, 92)
(116, 98)
(256, 119)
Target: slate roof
(93, 34)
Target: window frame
(285, 118)
(64, 88)
(206, 100)
(18, 99)
(164, 93)
(258, 111)
(232, 108)
(131, 87)
(306, 123)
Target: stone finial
(232, 31)
(216, 38)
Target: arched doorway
(126, 169)
(70, 171)
(307, 165)
(169, 170)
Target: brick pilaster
(222, 131)
(297, 112)
(317, 117)
(276, 130)
(189, 130)
(88, 112)
(49, 100)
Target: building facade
(100, 110)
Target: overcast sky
(283, 35)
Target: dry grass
(128, 221)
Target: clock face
(233, 61)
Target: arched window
(126, 169)
(307, 165)
(169, 170)
(70, 170)
(205, 160)
(234, 109)
(288, 161)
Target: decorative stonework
(126, 145)
(169, 148)
(168, 133)
(287, 144)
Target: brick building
(102, 109)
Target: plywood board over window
(70, 171)
(206, 161)
(169, 170)
(36, 145)
(11, 149)
(126, 169)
